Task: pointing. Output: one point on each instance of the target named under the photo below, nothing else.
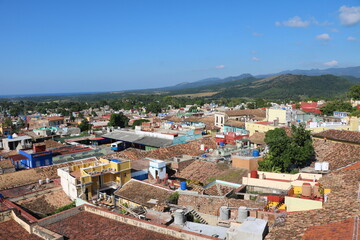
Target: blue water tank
(183, 186)
(204, 155)
(10, 137)
(222, 144)
(256, 153)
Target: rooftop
(340, 135)
(24, 177)
(190, 148)
(144, 193)
(97, 227)
(247, 112)
(10, 230)
(336, 231)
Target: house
(15, 142)
(36, 157)
(139, 193)
(85, 180)
(235, 127)
(238, 115)
(55, 121)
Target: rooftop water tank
(242, 214)
(9, 137)
(179, 217)
(325, 166)
(256, 153)
(202, 147)
(183, 186)
(318, 166)
(316, 190)
(254, 174)
(224, 213)
(306, 189)
(222, 144)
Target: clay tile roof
(258, 138)
(13, 230)
(337, 154)
(335, 231)
(340, 135)
(247, 112)
(6, 164)
(17, 157)
(56, 118)
(50, 144)
(144, 192)
(234, 123)
(190, 148)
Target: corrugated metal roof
(154, 142)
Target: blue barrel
(10, 137)
(256, 153)
(183, 186)
(222, 144)
(1, 196)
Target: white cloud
(256, 34)
(331, 63)
(293, 22)
(334, 30)
(349, 16)
(255, 59)
(350, 38)
(219, 66)
(316, 22)
(323, 36)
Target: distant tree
(193, 109)
(93, 113)
(154, 107)
(138, 122)
(85, 125)
(337, 105)
(251, 105)
(354, 92)
(118, 120)
(8, 122)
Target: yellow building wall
(274, 114)
(298, 204)
(253, 127)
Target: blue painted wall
(37, 159)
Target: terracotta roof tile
(340, 135)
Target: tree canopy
(287, 152)
(138, 122)
(118, 120)
(354, 92)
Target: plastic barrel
(183, 186)
(256, 153)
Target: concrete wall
(250, 163)
(299, 204)
(292, 178)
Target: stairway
(197, 216)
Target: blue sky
(85, 46)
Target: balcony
(108, 185)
